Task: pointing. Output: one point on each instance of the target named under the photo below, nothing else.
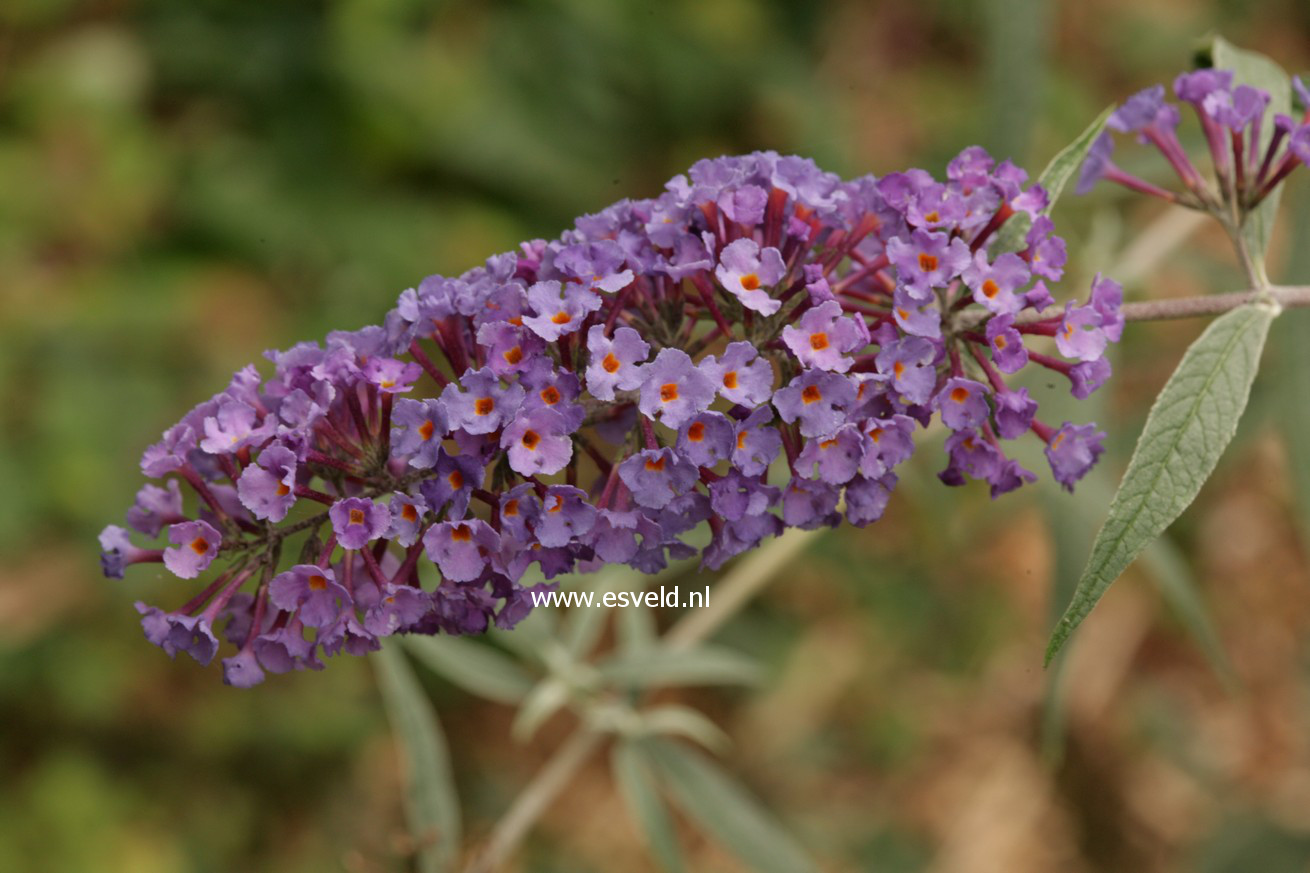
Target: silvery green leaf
(634, 776)
(683, 721)
(703, 665)
(432, 806)
(719, 805)
(477, 667)
(1190, 424)
(548, 698)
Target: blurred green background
(184, 184)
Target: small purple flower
(1107, 299)
(1195, 86)
(1008, 351)
(836, 457)
(398, 607)
(348, 635)
(312, 590)
(538, 442)
(559, 309)
(866, 499)
(175, 633)
(927, 260)
(456, 477)
(615, 364)
(744, 205)
(1072, 451)
(357, 521)
(1087, 376)
(1008, 476)
(484, 406)
(614, 536)
(916, 318)
(417, 429)
(1014, 413)
(969, 454)
(286, 649)
(818, 399)
(170, 453)
(233, 427)
(747, 272)
(242, 670)
(461, 549)
(889, 442)
(963, 403)
(656, 476)
(1047, 253)
(156, 507)
(994, 284)
(195, 544)
(735, 496)
(117, 552)
(392, 376)
(406, 513)
(674, 389)
(267, 487)
(740, 375)
(757, 443)
(1079, 334)
(519, 512)
(823, 337)
(810, 504)
(909, 363)
(565, 515)
(706, 439)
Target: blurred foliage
(183, 185)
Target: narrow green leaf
(683, 721)
(1054, 178)
(1190, 424)
(1258, 71)
(432, 806)
(703, 665)
(714, 801)
(549, 697)
(632, 770)
(636, 629)
(478, 668)
(1067, 161)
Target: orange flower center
(199, 545)
(514, 355)
(530, 440)
(561, 317)
(456, 479)
(811, 394)
(484, 405)
(990, 289)
(317, 583)
(356, 516)
(282, 489)
(750, 281)
(460, 533)
(741, 440)
(927, 262)
(730, 379)
(1001, 343)
(511, 508)
(669, 392)
(818, 341)
(426, 430)
(876, 435)
(932, 216)
(610, 363)
(655, 465)
(409, 513)
(959, 395)
(696, 432)
(550, 395)
(898, 369)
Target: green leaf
(478, 668)
(703, 665)
(432, 806)
(1011, 237)
(683, 721)
(715, 802)
(1188, 428)
(1257, 70)
(632, 770)
(549, 697)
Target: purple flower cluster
(1249, 161)
(753, 349)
